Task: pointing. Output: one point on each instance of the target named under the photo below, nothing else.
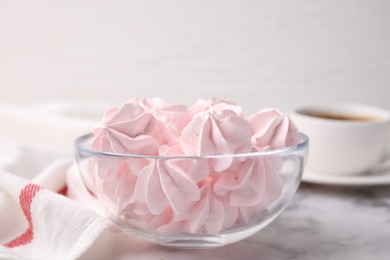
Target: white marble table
(321, 222)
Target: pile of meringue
(181, 191)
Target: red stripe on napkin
(63, 191)
(25, 198)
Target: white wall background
(258, 53)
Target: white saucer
(372, 178)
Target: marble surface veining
(321, 222)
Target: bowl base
(196, 241)
(190, 243)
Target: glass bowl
(182, 201)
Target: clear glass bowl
(182, 201)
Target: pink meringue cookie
(256, 183)
(116, 186)
(217, 133)
(173, 117)
(127, 130)
(165, 183)
(272, 128)
(109, 140)
(208, 213)
(244, 186)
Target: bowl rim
(80, 146)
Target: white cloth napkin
(35, 164)
(40, 224)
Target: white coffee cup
(345, 139)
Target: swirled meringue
(160, 187)
(128, 129)
(274, 129)
(217, 133)
(172, 118)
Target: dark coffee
(344, 117)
